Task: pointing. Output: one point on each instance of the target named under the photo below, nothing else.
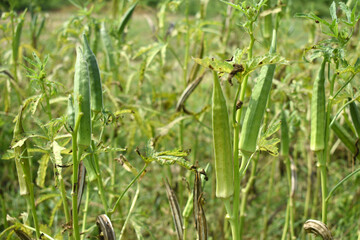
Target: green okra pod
(355, 117)
(82, 99)
(255, 113)
(317, 141)
(222, 143)
(345, 137)
(95, 80)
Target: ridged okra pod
(82, 99)
(317, 140)
(255, 113)
(96, 99)
(222, 143)
(355, 117)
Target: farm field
(182, 119)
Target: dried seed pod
(318, 228)
(106, 229)
(199, 214)
(22, 235)
(175, 210)
(81, 183)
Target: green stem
(3, 211)
(187, 42)
(268, 198)
(33, 209)
(286, 224)
(323, 174)
(83, 229)
(25, 164)
(340, 183)
(64, 199)
(130, 210)
(232, 219)
(99, 179)
(245, 193)
(126, 189)
(76, 156)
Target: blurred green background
(321, 6)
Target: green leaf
(333, 11)
(312, 16)
(56, 150)
(269, 146)
(89, 163)
(214, 64)
(45, 197)
(346, 10)
(41, 173)
(238, 7)
(19, 143)
(126, 17)
(273, 128)
(260, 61)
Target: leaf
(45, 197)
(9, 154)
(346, 10)
(19, 143)
(89, 163)
(144, 50)
(260, 61)
(269, 146)
(272, 129)
(214, 64)
(126, 17)
(333, 11)
(312, 16)
(56, 150)
(127, 165)
(153, 52)
(238, 7)
(162, 131)
(41, 173)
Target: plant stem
(268, 198)
(64, 199)
(286, 224)
(127, 188)
(323, 174)
(245, 192)
(130, 210)
(85, 210)
(99, 179)
(76, 154)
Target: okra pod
(317, 141)
(355, 117)
(222, 143)
(255, 113)
(96, 100)
(82, 99)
